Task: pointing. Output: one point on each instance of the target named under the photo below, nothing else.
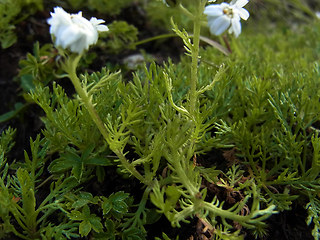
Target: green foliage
(71, 160)
(121, 36)
(88, 221)
(18, 107)
(40, 68)
(272, 116)
(37, 67)
(159, 15)
(110, 222)
(67, 120)
(115, 205)
(13, 12)
(261, 103)
(19, 202)
(18, 197)
(6, 142)
(284, 12)
(110, 7)
(242, 109)
(313, 208)
(165, 237)
(103, 6)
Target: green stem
(142, 207)
(71, 70)
(304, 153)
(44, 182)
(167, 35)
(252, 163)
(254, 218)
(214, 44)
(194, 59)
(186, 11)
(168, 83)
(129, 167)
(19, 218)
(182, 173)
(184, 179)
(18, 234)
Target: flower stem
(129, 167)
(87, 102)
(195, 57)
(194, 65)
(70, 68)
(182, 174)
(214, 44)
(167, 35)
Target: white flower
(74, 31)
(223, 16)
(318, 15)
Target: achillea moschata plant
(226, 137)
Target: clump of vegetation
(12, 13)
(229, 135)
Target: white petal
(97, 24)
(224, 5)
(60, 31)
(102, 28)
(213, 10)
(68, 36)
(58, 11)
(96, 21)
(92, 38)
(236, 17)
(79, 46)
(59, 17)
(211, 19)
(240, 3)
(243, 13)
(79, 14)
(82, 23)
(236, 27)
(219, 25)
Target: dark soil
(288, 225)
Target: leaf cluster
(121, 36)
(20, 202)
(264, 106)
(13, 12)
(273, 116)
(18, 199)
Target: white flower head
(74, 31)
(223, 16)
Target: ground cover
(243, 164)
